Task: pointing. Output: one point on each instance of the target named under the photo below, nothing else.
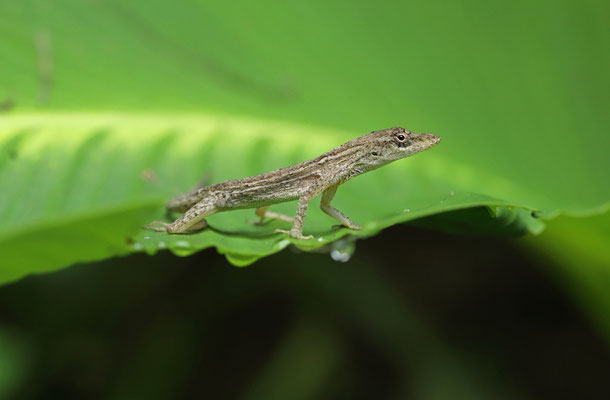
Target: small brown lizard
(302, 181)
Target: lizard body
(302, 181)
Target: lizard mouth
(432, 139)
(424, 141)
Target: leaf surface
(102, 138)
(86, 185)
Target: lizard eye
(401, 137)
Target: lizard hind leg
(192, 221)
(263, 212)
(183, 202)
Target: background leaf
(523, 104)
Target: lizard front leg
(327, 197)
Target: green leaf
(504, 100)
(578, 251)
(521, 112)
(87, 183)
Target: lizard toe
(155, 226)
(294, 234)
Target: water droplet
(182, 244)
(320, 239)
(451, 193)
(343, 249)
(137, 246)
(283, 243)
(146, 237)
(181, 247)
(406, 210)
(338, 256)
(162, 245)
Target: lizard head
(391, 144)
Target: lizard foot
(154, 226)
(355, 227)
(294, 234)
(257, 222)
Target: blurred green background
(520, 93)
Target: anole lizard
(302, 181)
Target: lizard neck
(343, 163)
